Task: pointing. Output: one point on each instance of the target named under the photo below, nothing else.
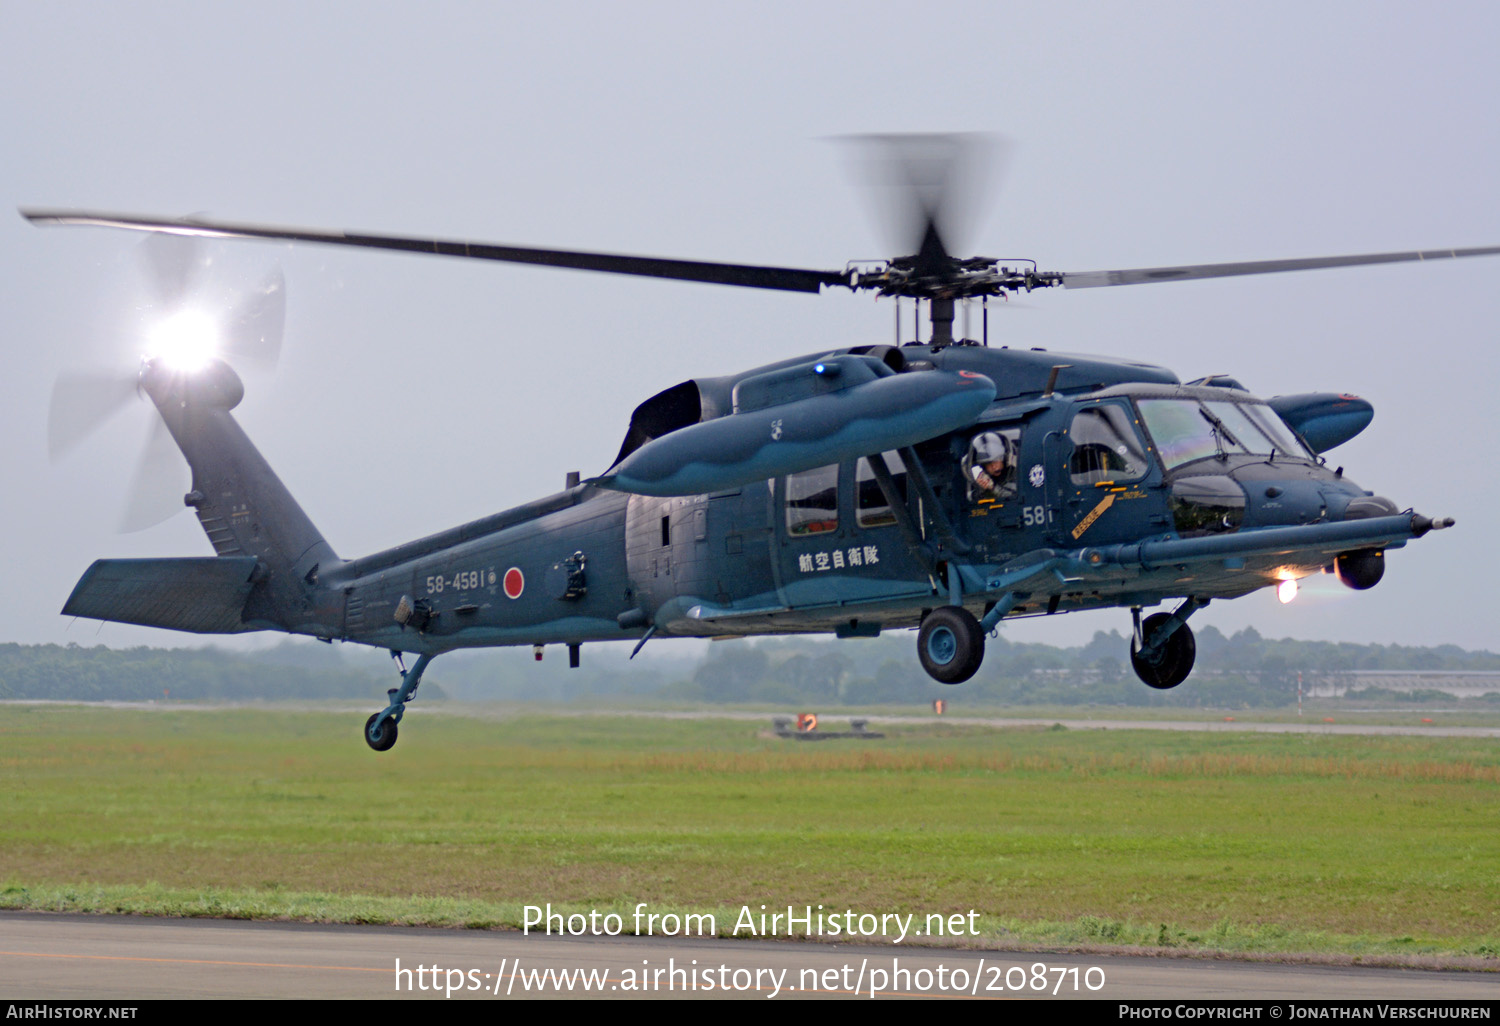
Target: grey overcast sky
(415, 393)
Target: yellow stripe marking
(1094, 514)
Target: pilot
(990, 466)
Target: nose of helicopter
(1263, 494)
(1304, 493)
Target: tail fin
(244, 508)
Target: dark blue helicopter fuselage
(824, 551)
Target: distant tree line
(74, 673)
(1243, 670)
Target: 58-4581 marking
(463, 580)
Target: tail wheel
(950, 645)
(1175, 662)
(384, 738)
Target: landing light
(185, 341)
(1287, 590)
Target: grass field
(1218, 841)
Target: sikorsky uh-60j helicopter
(943, 485)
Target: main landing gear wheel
(950, 644)
(385, 738)
(1172, 666)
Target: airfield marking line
(194, 961)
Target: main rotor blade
(1187, 272)
(928, 165)
(746, 275)
(931, 185)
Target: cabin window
(871, 509)
(812, 501)
(1105, 446)
(989, 465)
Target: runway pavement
(53, 956)
(483, 710)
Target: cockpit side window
(1281, 436)
(1190, 429)
(1105, 446)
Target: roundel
(515, 583)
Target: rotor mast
(940, 313)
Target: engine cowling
(846, 410)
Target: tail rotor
(196, 315)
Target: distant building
(1459, 683)
(1329, 683)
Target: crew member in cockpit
(990, 467)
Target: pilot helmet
(990, 447)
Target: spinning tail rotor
(196, 319)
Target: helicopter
(943, 485)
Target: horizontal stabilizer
(204, 595)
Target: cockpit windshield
(1185, 430)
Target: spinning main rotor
(927, 171)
